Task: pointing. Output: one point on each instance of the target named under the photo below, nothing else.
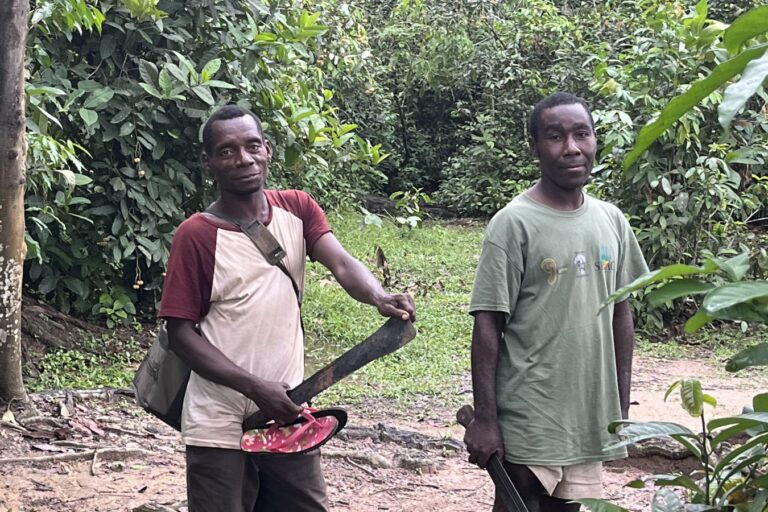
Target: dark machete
(391, 336)
(501, 480)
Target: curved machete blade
(391, 336)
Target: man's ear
(204, 161)
(268, 146)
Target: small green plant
(117, 306)
(733, 470)
(408, 204)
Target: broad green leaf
(750, 24)
(676, 481)
(210, 69)
(691, 397)
(597, 505)
(152, 90)
(204, 93)
(68, 176)
(99, 98)
(737, 94)
(165, 80)
(674, 270)
(635, 431)
(665, 185)
(760, 402)
(732, 294)
(735, 268)
(678, 288)
(744, 421)
(89, 116)
(220, 84)
(697, 321)
(756, 355)
(681, 104)
(671, 388)
(726, 460)
(148, 72)
(82, 179)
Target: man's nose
(244, 157)
(571, 146)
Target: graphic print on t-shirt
(605, 262)
(580, 262)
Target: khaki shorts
(571, 482)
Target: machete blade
(394, 334)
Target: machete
(391, 336)
(501, 480)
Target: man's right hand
(483, 439)
(273, 401)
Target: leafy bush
(117, 94)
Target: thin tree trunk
(13, 150)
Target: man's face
(240, 155)
(565, 146)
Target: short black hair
(223, 114)
(555, 100)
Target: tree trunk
(13, 150)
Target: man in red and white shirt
(235, 320)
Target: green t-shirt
(549, 271)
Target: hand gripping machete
(501, 480)
(391, 336)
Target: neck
(556, 197)
(243, 207)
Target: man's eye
(225, 152)
(254, 147)
(554, 136)
(583, 135)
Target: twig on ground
(14, 426)
(84, 393)
(125, 431)
(93, 462)
(48, 420)
(358, 466)
(77, 456)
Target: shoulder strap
(265, 242)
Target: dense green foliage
(117, 94)
(409, 96)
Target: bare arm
(358, 281)
(623, 342)
(208, 362)
(483, 436)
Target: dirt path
(404, 465)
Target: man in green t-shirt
(549, 370)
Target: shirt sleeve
(301, 204)
(498, 276)
(189, 275)
(631, 263)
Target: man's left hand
(398, 305)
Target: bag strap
(265, 242)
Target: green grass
(436, 265)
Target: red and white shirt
(244, 306)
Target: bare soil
(409, 460)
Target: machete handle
(495, 468)
(465, 415)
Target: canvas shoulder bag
(161, 381)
